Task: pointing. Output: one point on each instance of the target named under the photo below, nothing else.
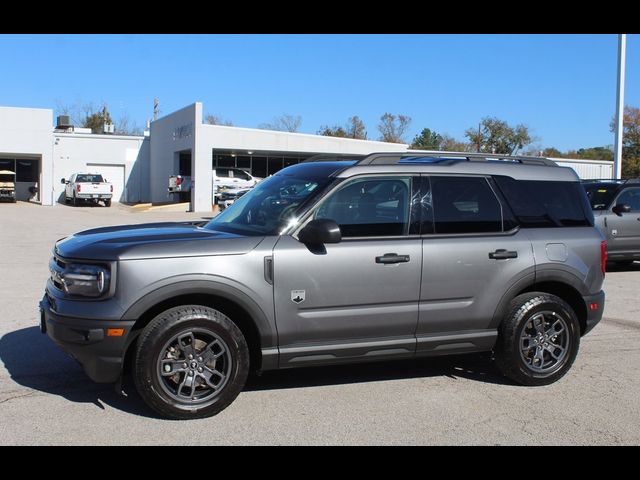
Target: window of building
(259, 166)
(465, 205)
(222, 172)
(274, 164)
(370, 207)
(7, 164)
(243, 162)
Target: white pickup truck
(222, 179)
(87, 187)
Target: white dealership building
(139, 167)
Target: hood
(152, 240)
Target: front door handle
(388, 258)
(502, 254)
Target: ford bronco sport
(337, 260)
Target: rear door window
(464, 205)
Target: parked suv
(388, 256)
(616, 207)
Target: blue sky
(561, 86)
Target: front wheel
(538, 340)
(191, 362)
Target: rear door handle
(502, 254)
(388, 258)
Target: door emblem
(297, 296)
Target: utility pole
(617, 158)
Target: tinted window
(89, 179)
(631, 197)
(465, 205)
(546, 204)
(370, 207)
(222, 172)
(600, 196)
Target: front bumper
(87, 341)
(593, 316)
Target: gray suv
(338, 260)
(616, 207)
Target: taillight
(603, 256)
(178, 181)
(111, 188)
(78, 188)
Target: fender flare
(540, 276)
(265, 328)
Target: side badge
(297, 296)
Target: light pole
(617, 158)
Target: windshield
(600, 196)
(89, 179)
(269, 207)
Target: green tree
(427, 140)
(630, 142)
(496, 136)
(552, 152)
(97, 120)
(393, 128)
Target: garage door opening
(114, 174)
(27, 170)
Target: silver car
(616, 207)
(338, 260)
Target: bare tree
(217, 120)
(393, 128)
(283, 123)
(125, 126)
(356, 129)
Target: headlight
(85, 280)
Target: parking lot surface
(45, 398)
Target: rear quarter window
(540, 204)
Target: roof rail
(332, 157)
(385, 158)
(622, 181)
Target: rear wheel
(538, 340)
(191, 362)
(107, 203)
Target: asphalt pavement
(45, 398)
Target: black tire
(166, 394)
(67, 201)
(107, 203)
(75, 201)
(521, 356)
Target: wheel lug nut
(184, 365)
(190, 357)
(199, 359)
(200, 369)
(191, 374)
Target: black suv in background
(616, 209)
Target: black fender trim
(540, 276)
(267, 332)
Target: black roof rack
(387, 158)
(620, 181)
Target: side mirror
(63, 181)
(320, 231)
(621, 208)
